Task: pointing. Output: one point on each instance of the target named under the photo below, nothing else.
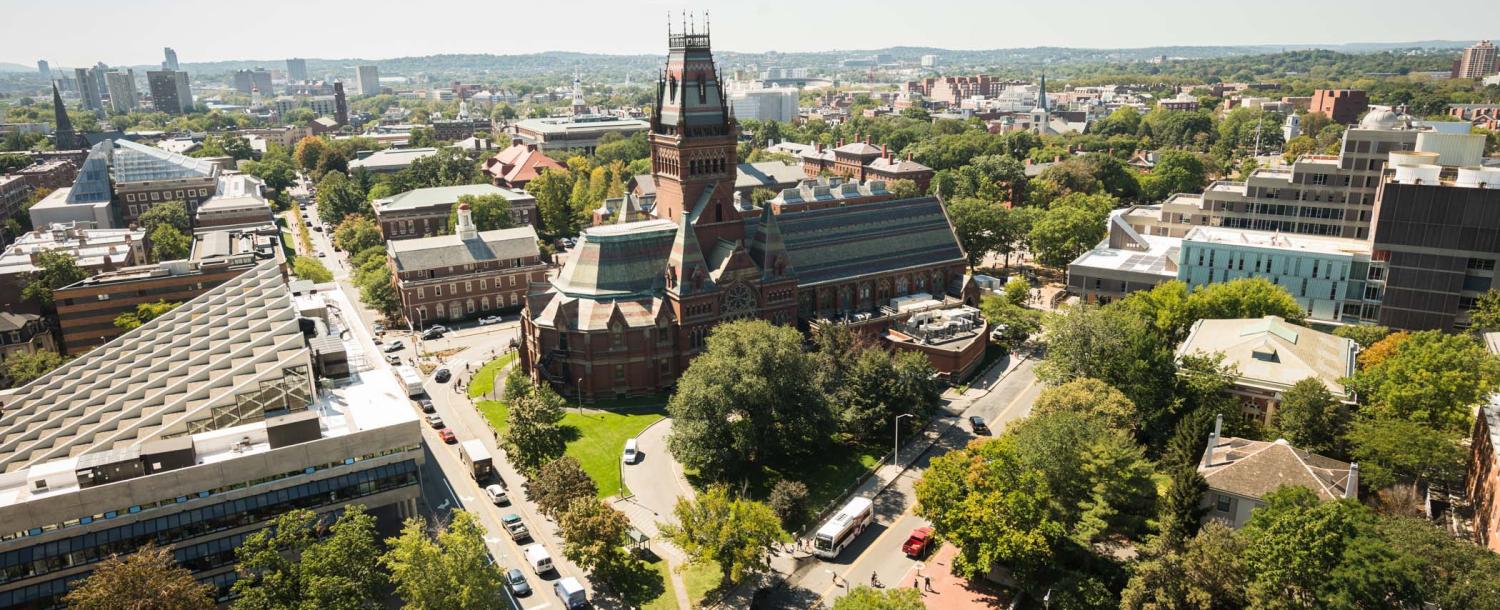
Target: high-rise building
(246, 81)
(170, 91)
(44, 69)
(1477, 62)
(296, 70)
(340, 104)
(765, 104)
(367, 80)
(88, 89)
(123, 97)
(170, 61)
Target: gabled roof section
(1253, 469)
(768, 249)
(1274, 354)
(618, 261)
(847, 242)
(687, 272)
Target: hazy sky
(126, 32)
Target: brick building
(953, 89)
(424, 212)
(518, 165)
(121, 179)
(638, 296)
(862, 161)
(1343, 106)
(469, 273)
(49, 174)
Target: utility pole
(896, 425)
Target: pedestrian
(927, 582)
(916, 585)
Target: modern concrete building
(121, 179)
(169, 59)
(367, 80)
(466, 274)
(1241, 472)
(1272, 355)
(192, 432)
(238, 202)
(296, 70)
(122, 92)
(170, 92)
(580, 133)
(765, 103)
(257, 80)
(424, 212)
(88, 89)
(1477, 61)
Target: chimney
(1213, 441)
(1351, 489)
(841, 142)
(885, 151)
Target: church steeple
(63, 137)
(580, 107)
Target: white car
(631, 454)
(487, 320)
(496, 494)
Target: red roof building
(517, 165)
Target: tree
(1251, 297)
(148, 579)
(1310, 418)
(1013, 323)
(1209, 573)
(1114, 346)
(1180, 510)
(356, 233)
(1433, 378)
(1391, 449)
(488, 212)
(172, 213)
(1382, 348)
(1176, 171)
(559, 482)
(54, 269)
(1016, 291)
(1098, 478)
(534, 437)
(377, 289)
(750, 398)
(788, 500)
(1072, 226)
(552, 189)
(270, 575)
(736, 533)
(901, 188)
(1363, 334)
(144, 312)
(977, 223)
(453, 572)
(593, 534)
(339, 197)
(169, 244)
(21, 367)
(309, 153)
(311, 269)
(1485, 315)
(992, 508)
(1454, 573)
(869, 598)
(1089, 397)
(341, 571)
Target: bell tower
(693, 141)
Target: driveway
(655, 482)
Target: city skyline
(365, 31)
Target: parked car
(432, 333)
(393, 359)
(496, 494)
(977, 425)
(395, 346)
(631, 454)
(448, 436)
(426, 405)
(442, 376)
(917, 543)
(435, 421)
(378, 327)
(318, 228)
(516, 580)
(571, 593)
(487, 320)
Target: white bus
(843, 528)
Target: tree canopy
(148, 579)
(736, 533)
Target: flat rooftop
(1154, 260)
(1278, 241)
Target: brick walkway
(951, 592)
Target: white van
(571, 593)
(540, 560)
(631, 454)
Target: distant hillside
(6, 67)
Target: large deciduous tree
(1090, 397)
(558, 484)
(749, 399)
(54, 270)
(869, 598)
(148, 579)
(534, 436)
(452, 572)
(356, 233)
(173, 213)
(736, 533)
(1114, 346)
(1071, 226)
(1311, 418)
(489, 212)
(1432, 378)
(593, 536)
(169, 244)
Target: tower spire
(64, 138)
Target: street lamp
(580, 396)
(896, 425)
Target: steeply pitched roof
(617, 261)
(770, 174)
(449, 250)
(858, 148)
(851, 241)
(1253, 469)
(1274, 354)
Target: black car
(442, 376)
(976, 423)
(426, 405)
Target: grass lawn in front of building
(485, 378)
(595, 438)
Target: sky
(132, 32)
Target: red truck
(916, 545)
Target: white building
(367, 80)
(765, 104)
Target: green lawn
(826, 477)
(700, 579)
(595, 439)
(484, 379)
(668, 598)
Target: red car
(448, 436)
(917, 544)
